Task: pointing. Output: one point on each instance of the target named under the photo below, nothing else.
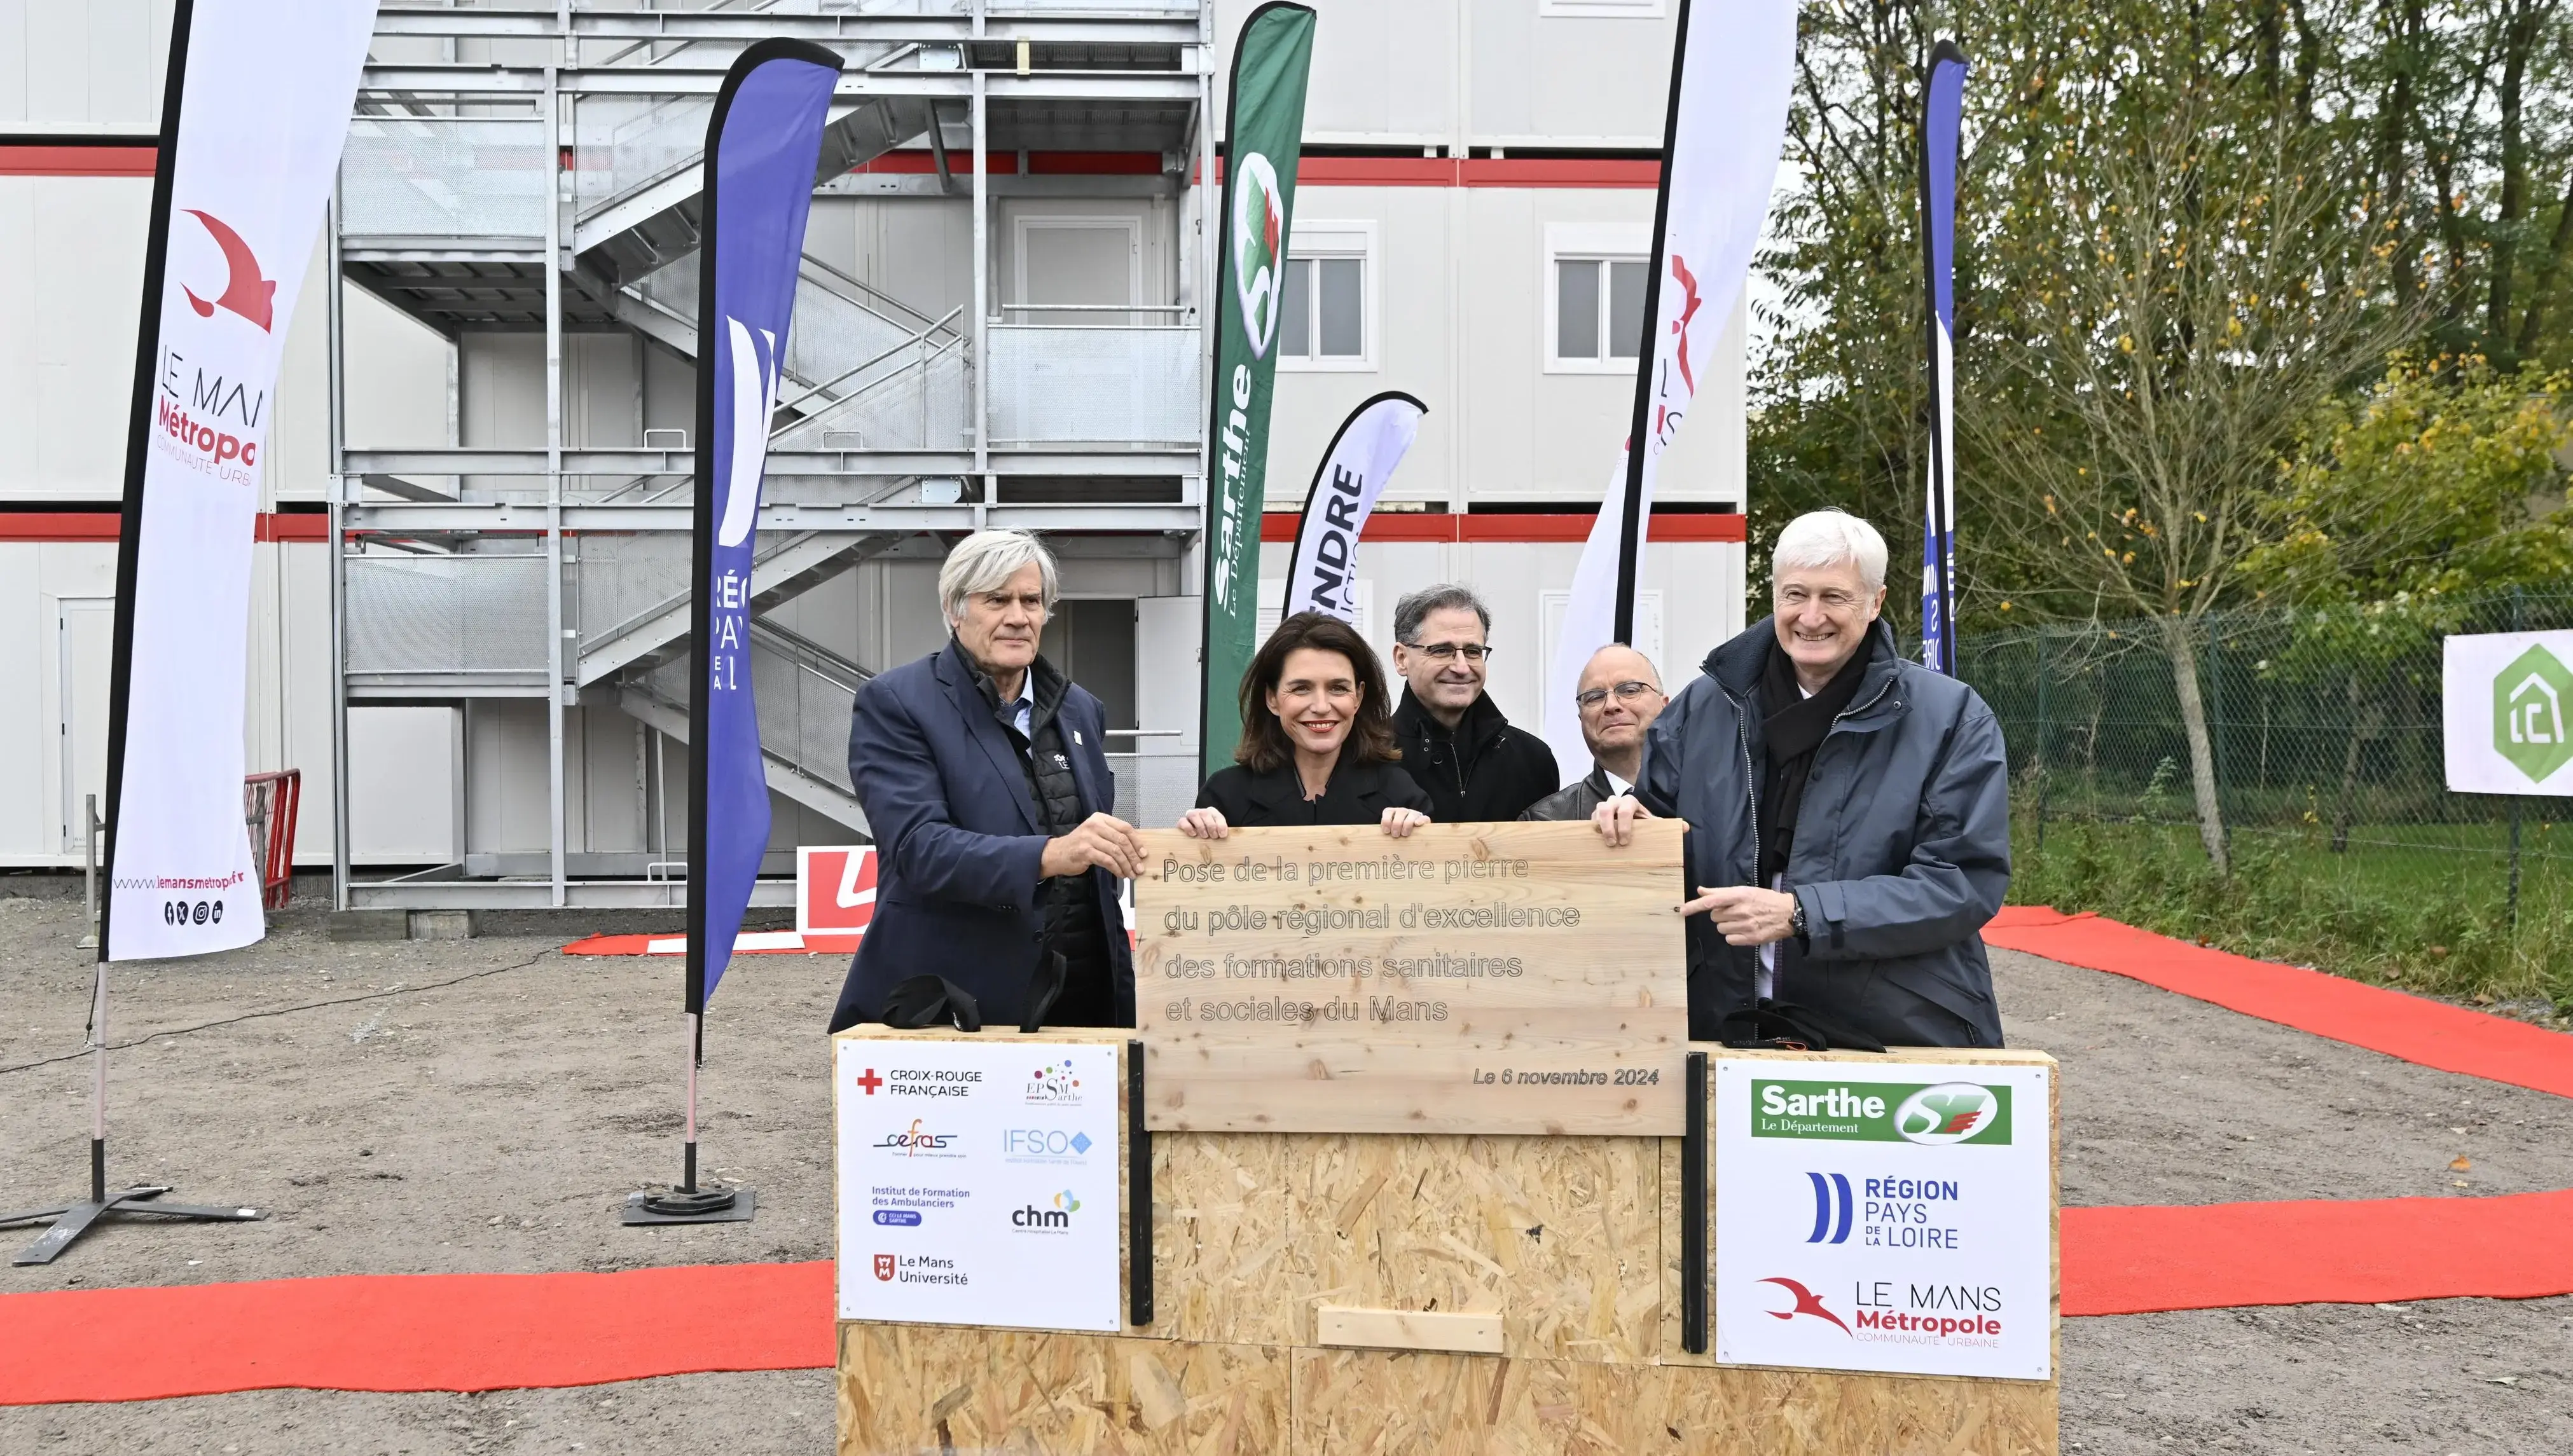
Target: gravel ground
(486, 1104)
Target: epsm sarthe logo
(1055, 1085)
(1258, 249)
(2528, 713)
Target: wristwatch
(1796, 919)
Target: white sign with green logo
(2508, 696)
(1885, 1215)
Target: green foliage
(2418, 920)
(2440, 480)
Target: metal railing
(1094, 385)
(444, 178)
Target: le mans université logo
(884, 1267)
(2528, 713)
(1934, 1116)
(1258, 245)
(1055, 1086)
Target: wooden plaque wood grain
(1472, 978)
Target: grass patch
(2420, 907)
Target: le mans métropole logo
(2528, 713)
(1933, 1115)
(1259, 242)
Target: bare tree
(2209, 290)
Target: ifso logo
(1258, 242)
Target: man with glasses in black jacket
(1473, 765)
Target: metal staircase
(804, 692)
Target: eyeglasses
(1449, 651)
(1627, 692)
(1835, 602)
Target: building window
(1598, 307)
(1326, 309)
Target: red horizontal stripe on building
(960, 162)
(1500, 528)
(1531, 172)
(51, 161)
(105, 525)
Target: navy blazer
(958, 840)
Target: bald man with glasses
(1619, 697)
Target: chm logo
(1952, 1111)
(2528, 713)
(1258, 249)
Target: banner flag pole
(1732, 62)
(1322, 575)
(763, 146)
(1941, 103)
(1272, 58)
(255, 108)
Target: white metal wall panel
(82, 67)
(71, 281)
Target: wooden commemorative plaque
(1472, 978)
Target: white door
(84, 653)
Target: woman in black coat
(1316, 741)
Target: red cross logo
(871, 1081)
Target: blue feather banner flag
(1942, 104)
(762, 146)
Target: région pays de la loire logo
(1259, 246)
(1055, 1085)
(2528, 713)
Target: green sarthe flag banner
(1269, 61)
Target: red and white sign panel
(835, 890)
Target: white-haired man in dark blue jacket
(1847, 812)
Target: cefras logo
(1952, 1111)
(1258, 244)
(247, 291)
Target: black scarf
(1794, 726)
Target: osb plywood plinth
(1571, 1242)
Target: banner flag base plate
(705, 1205)
(71, 1221)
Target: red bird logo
(1807, 1302)
(1688, 311)
(244, 292)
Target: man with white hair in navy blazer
(983, 774)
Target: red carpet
(2409, 1027)
(502, 1332)
(412, 1332)
(2135, 1261)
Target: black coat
(1358, 792)
(1484, 772)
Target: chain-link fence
(2320, 743)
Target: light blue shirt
(1023, 711)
